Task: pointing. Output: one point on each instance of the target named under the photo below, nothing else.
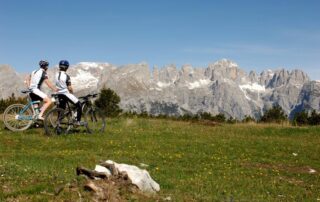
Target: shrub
(185, 117)
(205, 116)
(219, 118)
(231, 120)
(300, 118)
(314, 118)
(248, 119)
(275, 115)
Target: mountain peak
(225, 63)
(186, 68)
(143, 63)
(224, 68)
(92, 65)
(6, 68)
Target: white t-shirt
(37, 78)
(62, 82)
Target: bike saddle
(26, 91)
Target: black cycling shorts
(35, 97)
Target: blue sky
(255, 34)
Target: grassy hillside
(190, 161)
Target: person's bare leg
(47, 103)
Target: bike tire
(57, 122)
(16, 120)
(95, 119)
(52, 122)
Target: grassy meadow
(190, 161)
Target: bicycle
(19, 117)
(62, 121)
(93, 115)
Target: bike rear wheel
(15, 118)
(95, 119)
(57, 122)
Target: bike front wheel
(95, 119)
(57, 122)
(17, 117)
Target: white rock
(143, 165)
(139, 177)
(102, 169)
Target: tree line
(4, 103)
(273, 115)
(109, 102)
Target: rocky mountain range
(222, 87)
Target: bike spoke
(15, 111)
(95, 119)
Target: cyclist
(65, 90)
(34, 82)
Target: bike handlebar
(26, 91)
(89, 95)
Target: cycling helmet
(44, 64)
(63, 65)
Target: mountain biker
(65, 90)
(34, 82)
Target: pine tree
(314, 118)
(300, 118)
(108, 101)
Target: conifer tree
(108, 101)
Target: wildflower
(312, 170)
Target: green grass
(190, 161)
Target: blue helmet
(63, 65)
(44, 64)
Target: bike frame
(68, 111)
(30, 104)
(88, 102)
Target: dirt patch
(5, 189)
(280, 167)
(292, 181)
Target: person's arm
(47, 81)
(49, 84)
(68, 82)
(70, 89)
(27, 80)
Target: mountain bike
(19, 117)
(93, 115)
(63, 121)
